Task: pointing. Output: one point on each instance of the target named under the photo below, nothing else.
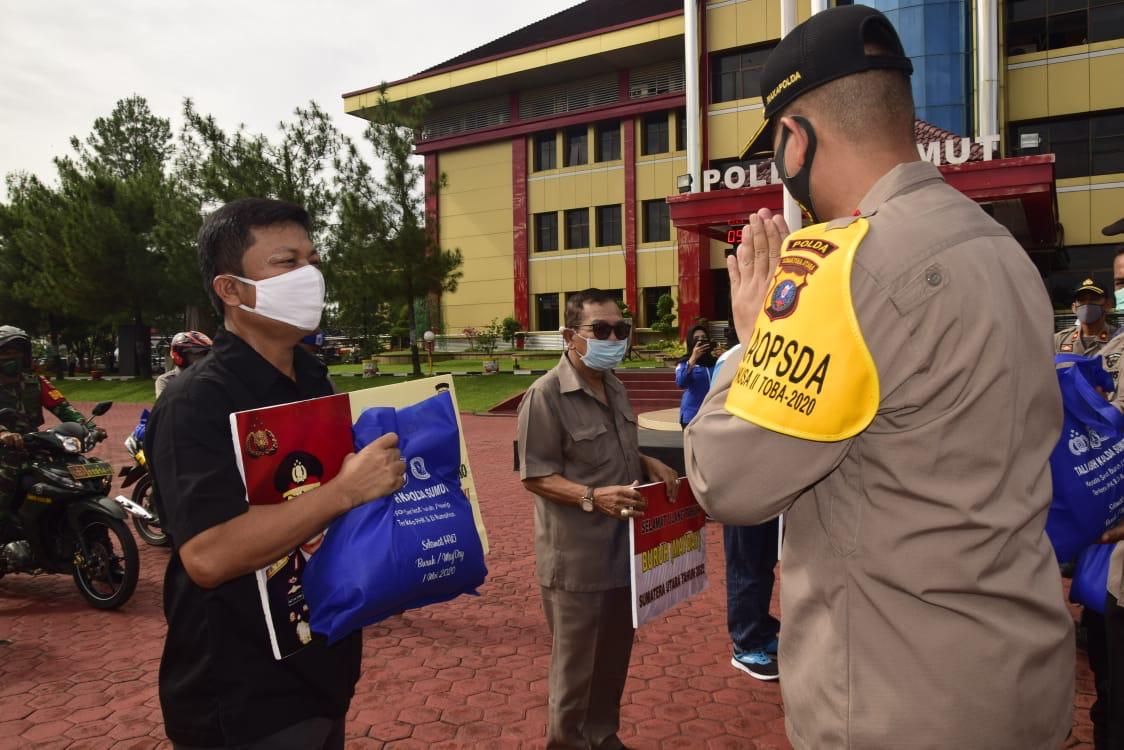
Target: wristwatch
(587, 500)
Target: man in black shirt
(219, 683)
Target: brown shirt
(922, 604)
(564, 429)
(1070, 341)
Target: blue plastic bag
(417, 547)
(138, 431)
(1090, 578)
(1088, 462)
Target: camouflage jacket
(30, 396)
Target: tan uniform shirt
(922, 604)
(564, 429)
(164, 380)
(1070, 341)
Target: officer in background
(922, 603)
(1091, 306)
(188, 347)
(29, 394)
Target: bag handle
(1085, 388)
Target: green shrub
(665, 317)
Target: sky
(64, 63)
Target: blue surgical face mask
(1120, 299)
(603, 355)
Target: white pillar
(987, 66)
(792, 213)
(691, 86)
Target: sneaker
(757, 663)
(771, 647)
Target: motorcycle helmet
(10, 336)
(189, 342)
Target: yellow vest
(806, 371)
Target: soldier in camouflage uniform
(28, 393)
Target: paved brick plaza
(469, 673)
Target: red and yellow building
(563, 143)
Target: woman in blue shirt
(694, 372)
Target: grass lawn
(474, 393)
(133, 391)
(457, 365)
(526, 362)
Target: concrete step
(655, 396)
(661, 403)
(629, 376)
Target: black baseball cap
(827, 46)
(1088, 284)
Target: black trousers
(310, 734)
(1114, 667)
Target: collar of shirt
(255, 371)
(898, 180)
(571, 380)
(1104, 335)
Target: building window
(577, 228)
(618, 295)
(737, 74)
(1108, 144)
(1082, 146)
(654, 139)
(652, 301)
(608, 141)
(577, 146)
(681, 130)
(546, 311)
(546, 231)
(1037, 25)
(545, 151)
(608, 225)
(657, 221)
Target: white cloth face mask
(295, 298)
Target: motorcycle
(146, 520)
(66, 523)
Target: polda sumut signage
(953, 151)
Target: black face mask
(11, 368)
(799, 184)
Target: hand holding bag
(1087, 464)
(416, 547)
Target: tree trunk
(142, 346)
(411, 315)
(193, 318)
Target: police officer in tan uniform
(1091, 306)
(922, 604)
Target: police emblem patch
(790, 280)
(260, 441)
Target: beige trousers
(592, 642)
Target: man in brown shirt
(922, 604)
(1092, 330)
(579, 455)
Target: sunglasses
(601, 329)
